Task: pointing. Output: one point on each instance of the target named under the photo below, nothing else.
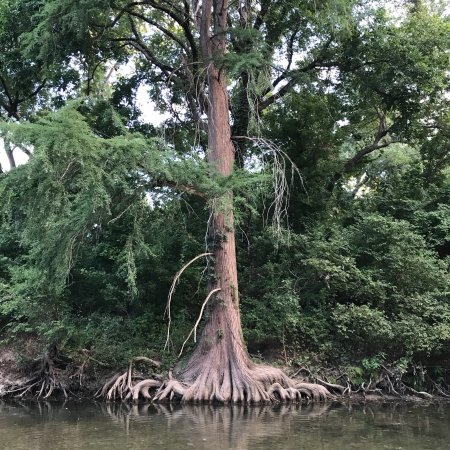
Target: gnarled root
(50, 378)
(170, 390)
(124, 386)
(142, 389)
(285, 395)
(249, 385)
(314, 392)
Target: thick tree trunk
(220, 368)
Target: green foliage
(80, 213)
(274, 315)
(363, 326)
(101, 217)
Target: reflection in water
(70, 425)
(235, 425)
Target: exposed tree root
(129, 386)
(48, 379)
(170, 390)
(259, 385)
(388, 381)
(142, 389)
(314, 392)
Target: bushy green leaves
(97, 222)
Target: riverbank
(56, 377)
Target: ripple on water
(327, 426)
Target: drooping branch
(187, 188)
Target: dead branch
(172, 290)
(194, 329)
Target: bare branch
(172, 290)
(194, 329)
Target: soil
(10, 373)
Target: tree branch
(34, 93)
(375, 145)
(11, 105)
(318, 62)
(194, 329)
(9, 153)
(183, 21)
(161, 28)
(139, 45)
(5, 88)
(187, 188)
(172, 290)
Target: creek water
(74, 425)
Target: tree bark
(220, 368)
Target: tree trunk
(9, 153)
(220, 368)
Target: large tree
(218, 67)
(220, 368)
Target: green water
(102, 426)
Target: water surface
(72, 425)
